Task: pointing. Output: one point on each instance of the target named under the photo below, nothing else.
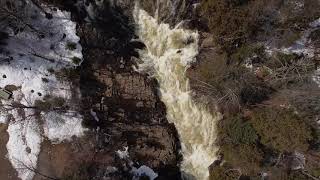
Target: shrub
(76, 60)
(68, 74)
(71, 46)
(286, 59)
(315, 35)
(232, 84)
(238, 130)
(50, 70)
(234, 23)
(281, 129)
(211, 70)
(243, 156)
(315, 142)
(288, 37)
(222, 173)
(254, 93)
(237, 141)
(248, 51)
(228, 21)
(45, 80)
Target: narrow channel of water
(167, 55)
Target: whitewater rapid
(166, 57)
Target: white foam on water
(167, 55)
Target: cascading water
(166, 57)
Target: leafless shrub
(284, 70)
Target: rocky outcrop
(127, 86)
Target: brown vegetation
(255, 136)
(281, 129)
(234, 23)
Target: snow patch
(143, 171)
(316, 77)
(60, 127)
(3, 119)
(94, 115)
(24, 144)
(123, 154)
(315, 23)
(111, 169)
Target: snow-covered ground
(28, 62)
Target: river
(168, 54)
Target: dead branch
(35, 170)
(309, 175)
(296, 70)
(278, 159)
(16, 106)
(42, 57)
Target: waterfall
(166, 57)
